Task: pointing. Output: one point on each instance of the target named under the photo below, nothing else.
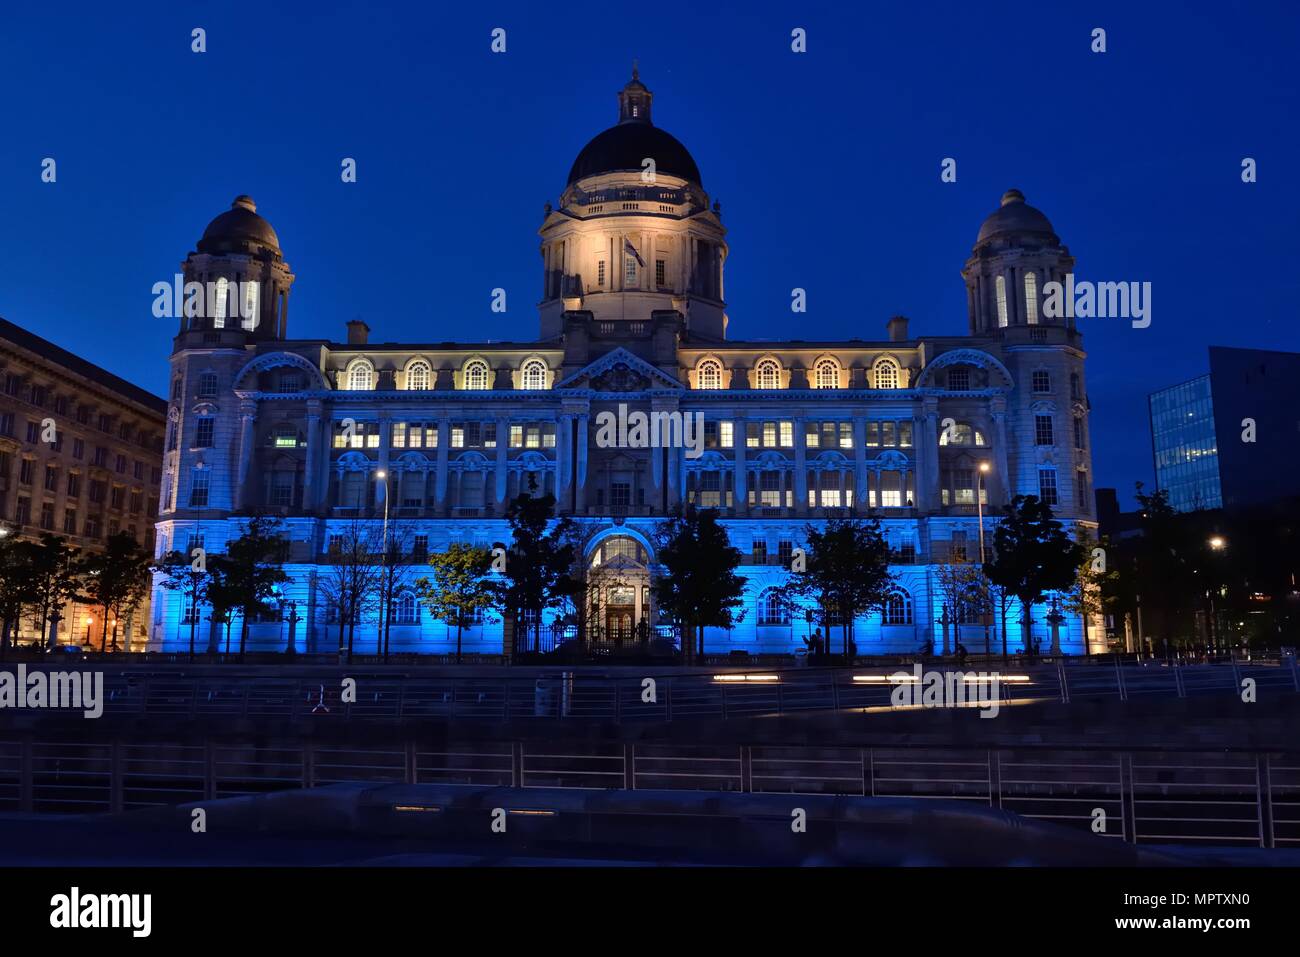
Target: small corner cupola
(634, 100)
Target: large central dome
(625, 147)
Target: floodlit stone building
(633, 319)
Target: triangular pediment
(620, 371)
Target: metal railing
(575, 695)
(1137, 796)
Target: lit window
(476, 375)
(1001, 285)
(361, 376)
(725, 434)
(219, 307)
(249, 320)
(1031, 298)
(417, 376)
(886, 374)
(534, 374)
(708, 375)
(827, 374)
(768, 374)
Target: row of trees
(39, 579)
(844, 572)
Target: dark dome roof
(626, 146)
(1016, 216)
(237, 226)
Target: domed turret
(238, 228)
(242, 276)
(634, 234)
(1015, 217)
(1016, 253)
(625, 146)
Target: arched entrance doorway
(619, 603)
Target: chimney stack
(358, 333)
(897, 327)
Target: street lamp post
(1217, 544)
(987, 611)
(384, 597)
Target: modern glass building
(1184, 445)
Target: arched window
(533, 374)
(768, 374)
(827, 374)
(771, 609)
(887, 374)
(898, 609)
(476, 375)
(405, 610)
(961, 433)
(1031, 299)
(249, 321)
(361, 375)
(1001, 286)
(708, 374)
(417, 375)
(220, 306)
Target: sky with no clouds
(826, 164)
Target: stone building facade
(80, 457)
(633, 319)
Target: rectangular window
(33, 432)
(516, 436)
(199, 489)
(1078, 432)
(759, 552)
(26, 468)
(785, 552)
(888, 435)
(846, 435)
(958, 380)
(752, 440)
(1047, 486)
(51, 478)
(787, 435)
(629, 272)
(1043, 430)
(117, 497)
(23, 511)
(1042, 381)
(620, 494)
(70, 521)
(74, 485)
(873, 435)
(47, 516)
(203, 434)
(600, 273)
(398, 440)
(811, 435)
(769, 435)
(660, 273)
(725, 434)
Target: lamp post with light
(1217, 544)
(384, 583)
(987, 610)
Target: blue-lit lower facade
(1184, 445)
(620, 610)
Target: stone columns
(503, 450)
(440, 479)
(247, 416)
(740, 497)
(800, 469)
(383, 485)
(860, 497)
(1005, 482)
(313, 452)
(580, 473)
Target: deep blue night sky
(826, 164)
